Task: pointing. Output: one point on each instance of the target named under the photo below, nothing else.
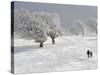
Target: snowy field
(69, 53)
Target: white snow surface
(69, 53)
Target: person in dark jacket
(88, 53)
(91, 54)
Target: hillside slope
(69, 53)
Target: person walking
(88, 53)
(91, 54)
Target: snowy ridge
(83, 27)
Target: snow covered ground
(69, 53)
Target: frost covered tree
(54, 27)
(29, 25)
(36, 25)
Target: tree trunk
(53, 40)
(41, 44)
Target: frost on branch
(29, 25)
(54, 27)
(36, 25)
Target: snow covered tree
(54, 27)
(29, 25)
(37, 25)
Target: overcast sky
(67, 12)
